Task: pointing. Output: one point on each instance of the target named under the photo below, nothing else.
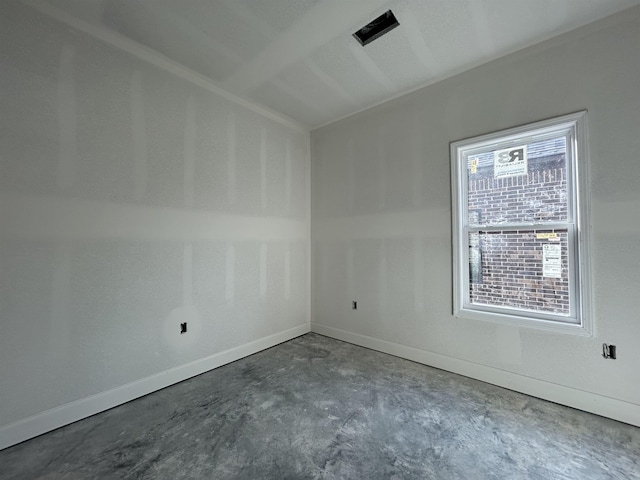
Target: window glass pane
(524, 269)
(521, 184)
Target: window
(520, 226)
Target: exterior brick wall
(507, 266)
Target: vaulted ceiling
(298, 57)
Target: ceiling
(298, 57)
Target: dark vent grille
(375, 29)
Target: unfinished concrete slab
(319, 408)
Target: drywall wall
(381, 219)
(133, 199)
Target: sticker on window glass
(510, 162)
(546, 235)
(551, 260)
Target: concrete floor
(319, 408)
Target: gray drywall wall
(381, 213)
(132, 200)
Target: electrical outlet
(609, 351)
(183, 328)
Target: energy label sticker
(551, 260)
(547, 235)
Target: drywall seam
(299, 40)
(262, 271)
(44, 422)
(264, 200)
(139, 136)
(288, 162)
(52, 218)
(232, 158)
(67, 120)
(287, 272)
(431, 223)
(580, 399)
(151, 56)
(230, 264)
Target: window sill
(526, 322)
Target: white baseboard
(587, 401)
(46, 421)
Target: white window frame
(579, 321)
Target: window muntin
(519, 246)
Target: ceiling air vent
(376, 28)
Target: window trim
(580, 321)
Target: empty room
(319, 239)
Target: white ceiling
(298, 57)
